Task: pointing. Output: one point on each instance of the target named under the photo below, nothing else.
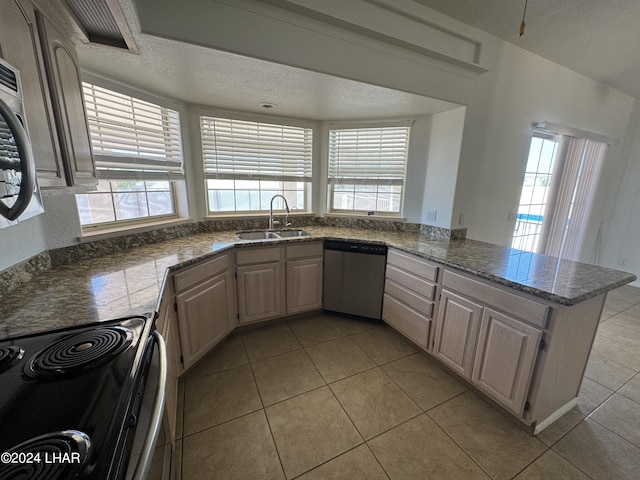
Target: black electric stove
(70, 398)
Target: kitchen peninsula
(485, 291)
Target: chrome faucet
(273, 222)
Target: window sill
(382, 218)
(102, 233)
(249, 216)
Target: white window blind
(578, 184)
(369, 155)
(132, 138)
(244, 150)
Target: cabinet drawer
(314, 249)
(193, 275)
(417, 284)
(414, 325)
(516, 305)
(409, 297)
(258, 255)
(413, 264)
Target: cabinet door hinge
(181, 359)
(175, 307)
(236, 274)
(527, 406)
(542, 345)
(238, 315)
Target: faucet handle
(288, 224)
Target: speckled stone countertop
(130, 282)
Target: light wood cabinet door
(65, 87)
(504, 360)
(304, 285)
(204, 316)
(260, 292)
(457, 332)
(19, 45)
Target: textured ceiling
(597, 38)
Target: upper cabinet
(19, 45)
(65, 86)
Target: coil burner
(9, 356)
(79, 352)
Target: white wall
(442, 167)
(518, 89)
(621, 233)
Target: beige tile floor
(329, 398)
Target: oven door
(149, 416)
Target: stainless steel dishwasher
(354, 278)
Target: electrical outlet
(431, 215)
(461, 219)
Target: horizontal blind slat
(132, 138)
(368, 155)
(238, 149)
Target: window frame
(165, 119)
(297, 171)
(379, 181)
(131, 222)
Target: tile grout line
(422, 411)
(264, 411)
(456, 443)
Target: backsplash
(436, 233)
(21, 273)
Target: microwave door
(17, 163)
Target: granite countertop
(130, 282)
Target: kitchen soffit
(204, 76)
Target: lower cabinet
(304, 277)
(409, 295)
(505, 357)
(205, 302)
(260, 283)
(278, 280)
(457, 332)
(490, 337)
(259, 292)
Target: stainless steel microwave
(19, 194)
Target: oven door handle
(27, 168)
(144, 463)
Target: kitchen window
(137, 147)
(246, 163)
(367, 167)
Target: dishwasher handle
(355, 247)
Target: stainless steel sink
(292, 233)
(266, 235)
(256, 235)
